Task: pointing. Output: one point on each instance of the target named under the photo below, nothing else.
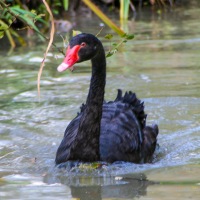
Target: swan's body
(104, 131)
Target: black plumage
(104, 131)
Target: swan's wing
(121, 133)
(124, 134)
(64, 150)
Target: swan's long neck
(97, 84)
(89, 127)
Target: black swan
(104, 131)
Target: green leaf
(109, 54)
(129, 36)
(1, 34)
(66, 4)
(114, 44)
(34, 12)
(75, 32)
(55, 12)
(3, 26)
(109, 36)
(26, 17)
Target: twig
(49, 44)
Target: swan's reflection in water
(126, 188)
(94, 187)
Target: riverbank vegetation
(20, 16)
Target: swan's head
(81, 47)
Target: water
(161, 65)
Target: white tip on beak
(62, 67)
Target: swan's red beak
(70, 59)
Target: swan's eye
(83, 44)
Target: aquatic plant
(10, 14)
(103, 17)
(124, 9)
